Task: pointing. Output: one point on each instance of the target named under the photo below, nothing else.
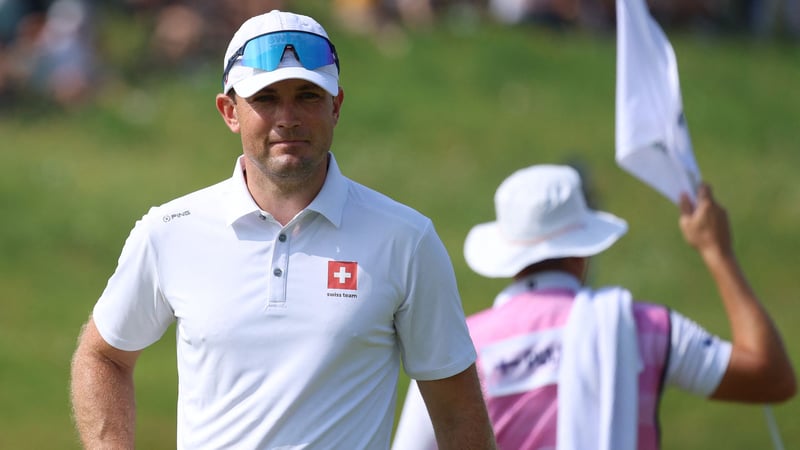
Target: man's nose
(286, 114)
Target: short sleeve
(698, 359)
(432, 330)
(131, 312)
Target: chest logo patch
(343, 275)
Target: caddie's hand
(705, 225)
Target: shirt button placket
(280, 262)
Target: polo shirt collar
(329, 202)
(333, 195)
(239, 203)
(536, 282)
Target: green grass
(435, 120)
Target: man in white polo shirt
(296, 292)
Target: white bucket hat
(249, 80)
(541, 214)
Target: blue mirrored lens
(265, 52)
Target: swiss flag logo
(343, 275)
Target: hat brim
(490, 254)
(260, 79)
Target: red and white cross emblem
(343, 275)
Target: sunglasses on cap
(266, 51)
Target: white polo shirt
(288, 337)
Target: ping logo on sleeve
(343, 275)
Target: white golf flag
(652, 137)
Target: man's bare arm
(458, 412)
(759, 369)
(102, 392)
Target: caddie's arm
(458, 412)
(102, 392)
(759, 369)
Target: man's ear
(226, 105)
(337, 105)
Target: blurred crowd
(54, 48)
(759, 17)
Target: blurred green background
(435, 119)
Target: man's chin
(292, 166)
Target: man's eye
(263, 98)
(310, 95)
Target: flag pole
(773, 428)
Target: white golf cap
(541, 214)
(249, 80)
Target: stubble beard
(288, 172)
